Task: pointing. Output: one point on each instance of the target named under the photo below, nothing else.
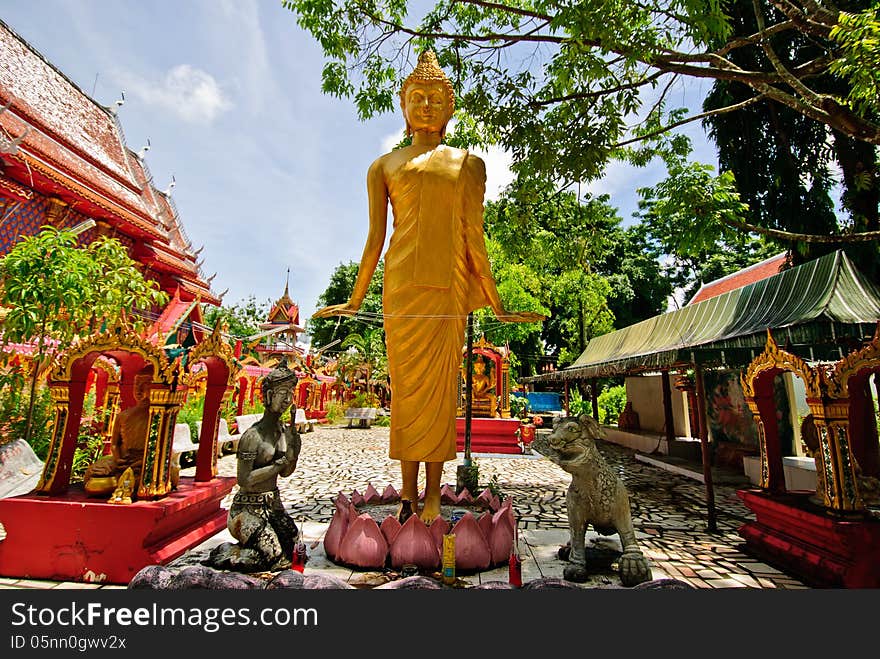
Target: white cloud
(190, 93)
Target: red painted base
(823, 550)
(78, 538)
(489, 435)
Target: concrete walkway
(668, 509)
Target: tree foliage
(326, 330)
(787, 165)
(688, 217)
(557, 84)
(55, 290)
(243, 317)
(568, 257)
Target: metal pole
(704, 445)
(468, 387)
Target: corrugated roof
(823, 300)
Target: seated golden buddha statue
(484, 402)
(127, 444)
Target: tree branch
(508, 10)
(864, 236)
(754, 38)
(703, 115)
(597, 93)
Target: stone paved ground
(668, 510)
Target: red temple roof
(766, 268)
(74, 149)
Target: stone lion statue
(595, 496)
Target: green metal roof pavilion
(820, 310)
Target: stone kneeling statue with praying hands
(270, 448)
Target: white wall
(646, 394)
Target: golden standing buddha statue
(436, 272)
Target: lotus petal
(472, 550)
(465, 497)
(364, 545)
(447, 495)
(507, 503)
(484, 521)
(495, 504)
(371, 495)
(414, 544)
(357, 498)
(484, 500)
(335, 533)
(352, 514)
(341, 502)
(439, 528)
(390, 528)
(389, 494)
(501, 535)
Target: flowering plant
(537, 420)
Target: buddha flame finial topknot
(428, 70)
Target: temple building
(64, 160)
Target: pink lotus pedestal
(366, 534)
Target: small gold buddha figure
(127, 444)
(436, 272)
(484, 401)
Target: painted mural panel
(730, 419)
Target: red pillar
(77, 392)
(215, 389)
(767, 410)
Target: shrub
(611, 403)
(13, 410)
(335, 411)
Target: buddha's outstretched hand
(346, 309)
(519, 316)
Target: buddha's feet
(430, 508)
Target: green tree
(326, 330)
(244, 317)
(368, 350)
(689, 216)
(569, 257)
(56, 290)
(557, 84)
(785, 163)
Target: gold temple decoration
(166, 396)
(213, 347)
(837, 478)
(774, 357)
(842, 371)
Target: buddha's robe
(435, 270)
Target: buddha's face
(479, 367)
(427, 106)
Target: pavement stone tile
(668, 511)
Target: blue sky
(269, 172)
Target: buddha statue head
(427, 97)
